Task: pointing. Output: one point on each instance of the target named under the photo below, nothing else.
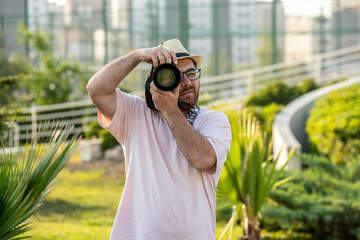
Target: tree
(50, 80)
(26, 179)
(9, 69)
(43, 79)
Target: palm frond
(250, 172)
(27, 178)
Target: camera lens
(166, 77)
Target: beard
(191, 100)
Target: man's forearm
(102, 86)
(106, 80)
(195, 147)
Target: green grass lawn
(83, 203)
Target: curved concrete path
(289, 125)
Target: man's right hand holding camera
(157, 56)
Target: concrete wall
(289, 125)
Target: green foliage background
(39, 79)
(270, 100)
(323, 200)
(94, 130)
(47, 79)
(334, 125)
(8, 84)
(280, 93)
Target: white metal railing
(11, 136)
(229, 87)
(79, 113)
(323, 68)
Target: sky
(307, 8)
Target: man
(173, 155)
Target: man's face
(189, 89)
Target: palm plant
(27, 178)
(249, 172)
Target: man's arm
(195, 147)
(101, 87)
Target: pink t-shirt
(164, 197)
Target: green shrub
(107, 139)
(323, 199)
(55, 80)
(275, 91)
(280, 93)
(334, 125)
(307, 85)
(94, 130)
(266, 116)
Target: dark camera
(166, 77)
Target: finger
(153, 87)
(168, 57)
(162, 58)
(155, 61)
(173, 56)
(152, 90)
(153, 94)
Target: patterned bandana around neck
(192, 113)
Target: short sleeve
(217, 130)
(125, 109)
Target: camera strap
(192, 114)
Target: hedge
(323, 199)
(334, 125)
(280, 93)
(94, 130)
